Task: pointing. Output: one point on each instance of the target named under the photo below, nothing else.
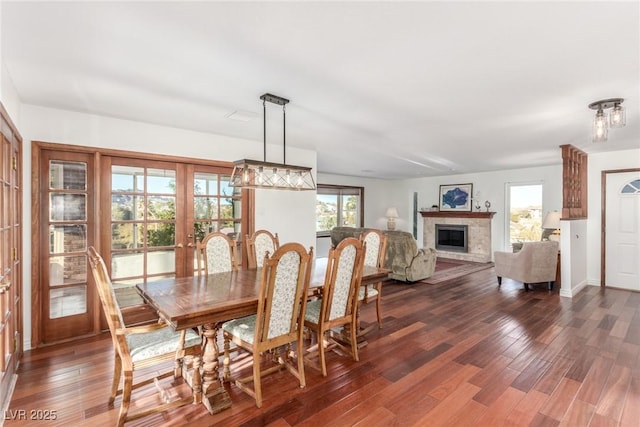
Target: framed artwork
(456, 197)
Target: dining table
(207, 301)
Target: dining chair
(216, 253)
(338, 303)
(258, 245)
(278, 320)
(145, 346)
(376, 244)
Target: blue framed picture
(456, 197)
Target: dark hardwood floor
(460, 353)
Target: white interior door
(622, 247)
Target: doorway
(621, 231)
(524, 202)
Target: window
(338, 206)
(525, 212)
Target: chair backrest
(105, 291)
(258, 245)
(283, 296)
(376, 247)
(218, 252)
(342, 280)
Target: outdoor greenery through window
(338, 206)
(525, 212)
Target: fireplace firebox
(451, 237)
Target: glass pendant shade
(617, 117)
(600, 127)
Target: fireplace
(450, 237)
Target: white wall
(613, 160)
(290, 213)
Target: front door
(622, 230)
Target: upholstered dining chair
(216, 253)
(338, 303)
(258, 244)
(144, 346)
(374, 256)
(278, 322)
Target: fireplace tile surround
(478, 229)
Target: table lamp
(392, 214)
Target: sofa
(406, 262)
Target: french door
(143, 214)
(10, 254)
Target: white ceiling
(384, 89)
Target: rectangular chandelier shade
(258, 174)
(262, 174)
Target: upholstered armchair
(536, 262)
(406, 262)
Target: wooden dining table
(209, 300)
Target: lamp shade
(392, 213)
(552, 220)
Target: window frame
(341, 190)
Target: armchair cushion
(406, 262)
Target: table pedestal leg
(215, 397)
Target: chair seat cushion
(371, 292)
(158, 342)
(312, 313)
(243, 328)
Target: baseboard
(569, 293)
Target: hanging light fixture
(262, 174)
(602, 122)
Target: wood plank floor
(460, 353)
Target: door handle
(5, 287)
(189, 245)
(179, 245)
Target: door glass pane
(205, 208)
(67, 301)
(67, 207)
(161, 207)
(67, 175)
(127, 265)
(127, 179)
(161, 262)
(127, 236)
(125, 207)
(161, 234)
(161, 181)
(67, 238)
(525, 213)
(64, 270)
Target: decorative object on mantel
(601, 122)
(476, 200)
(392, 214)
(456, 197)
(262, 174)
(487, 204)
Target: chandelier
(262, 174)
(602, 122)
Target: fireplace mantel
(454, 214)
